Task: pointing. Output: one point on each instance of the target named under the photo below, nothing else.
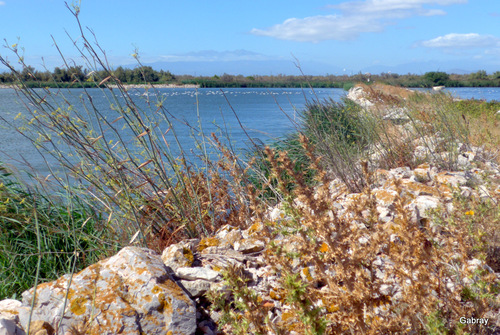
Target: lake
(265, 113)
(480, 93)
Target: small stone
(276, 214)
(254, 228)
(385, 198)
(363, 240)
(462, 161)
(195, 288)
(248, 246)
(223, 231)
(197, 273)
(10, 327)
(483, 192)
(177, 255)
(424, 203)
(215, 316)
(386, 289)
(453, 178)
(422, 175)
(384, 214)
(465, 191)
(231, 238)
(206, 330)
(40, 327)
(308, 274)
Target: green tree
(120, 74)
(166, 76)
(28, 73)
(60, 75)
(76, 73)
(148, 74)
(436, 78)
(495, 75)
(479, 75)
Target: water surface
(264, 114)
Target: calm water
(264, 113)
(481, 93)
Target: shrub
(347, 268)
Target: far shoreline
(126, 86)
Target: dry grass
(366, 276)
(356, 275)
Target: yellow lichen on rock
(208, 242)
(189, 256)
(77, 306)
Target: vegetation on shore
(123, 185)
(45, 234)
(77, 76)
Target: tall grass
(122, 175)
(422, 128)
(43, 235)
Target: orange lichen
(208, 242)
(257, 226)
(77, 306)
(156, 289)
(307, 274)
(286, 316)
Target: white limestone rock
(9, 317)
(128, 293)
(198, 273)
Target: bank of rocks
(137, 291)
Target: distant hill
(244, 67)
(421, 68)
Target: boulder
(9, 317)
(359, 96)
(129, 293)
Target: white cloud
(2, 3)
(355, 17)
(394, 8)
(462, 41)
(319, 28)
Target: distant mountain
(287, 67)
(243, 67)
(419, 68)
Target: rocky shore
(140, 292)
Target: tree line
(76, 76)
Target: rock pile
(137, 291)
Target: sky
(208, 37)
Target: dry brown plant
(353, 274)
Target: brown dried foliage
(346, 254)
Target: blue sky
(265, 36)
